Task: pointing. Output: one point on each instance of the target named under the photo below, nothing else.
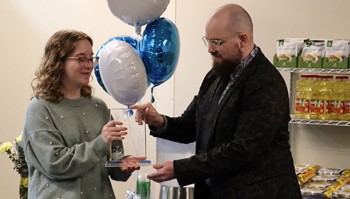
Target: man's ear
(243, 38)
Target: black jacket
(242, 148)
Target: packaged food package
(345, 187)
(307, 191)
(330, 171)
(336, 54)
(318, 185)
(305, 177)
(331, 189)
(343, 179)
(315, 196)
(312, 54)
(325, 178)
(287, 51)
(313, 168)
(341, 194)
(300, 167)
(345, 172)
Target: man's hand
(165, 172)
(148, 114)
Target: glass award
(134, 143)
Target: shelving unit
(315, 70)
(320, 122)
(323, 142)
(294, 71)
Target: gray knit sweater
(64, 150)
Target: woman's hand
(131, 163)
(113, 130)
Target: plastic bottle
(316, 103)
(346, 115)
(326, 95)
(321, 98)
(338, 97)
(302, 98)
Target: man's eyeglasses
(216, 43)
(83, 61)
(212, 42)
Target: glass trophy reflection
(134, 143)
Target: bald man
(239, 120)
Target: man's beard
(225, 68)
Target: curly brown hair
(48, 77)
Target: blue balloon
(159, 50)
(133, 42)
(98, 77)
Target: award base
(118, 163)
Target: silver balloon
(123, 72)
(137, 12)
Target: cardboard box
(303, 62)
(312, 54)
(285, 63)
(336, 65)
(336, 54)
(287, 51)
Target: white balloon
(137, 12)
(123, 72)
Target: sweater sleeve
(46, 150)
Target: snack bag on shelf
(336, 54)
(312, 193)
(331, 171)
(345, 187)
(313, 168)
(341, 194)
(318, 185)
(345, 172)
(300, 167)
(312, 54)
(325, 178)
(305, 177)
(329, 191)
(287, 51)
(340, 182)
(343, 179)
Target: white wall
(25, 29)
(26, 26)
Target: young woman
(68, 132)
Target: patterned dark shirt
(240, 69)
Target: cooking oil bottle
(302, 98)
(316, 102)
(346, 115)
(326, 94)
(338, 97)
(320, 98)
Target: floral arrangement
(16, 154)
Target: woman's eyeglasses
(83, 61)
